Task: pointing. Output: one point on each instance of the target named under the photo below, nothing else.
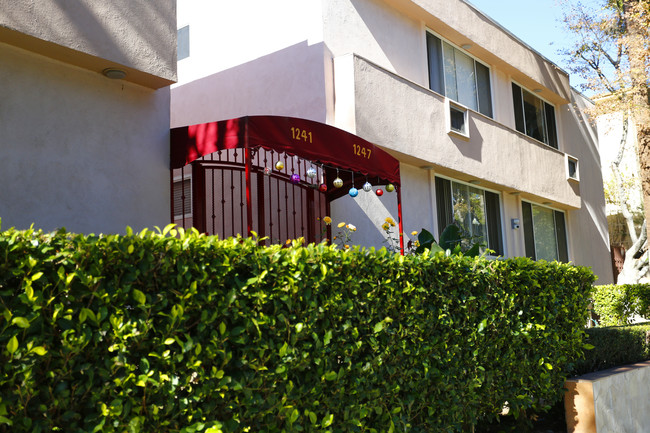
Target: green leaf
(37, 276)
(12, 345)
(379, 326)
(328, 420)
(21, 322)
(588, 346)
(327, 338)
(330, 375)
(169, 341)
(139, 297)
(283, 349)
(39, 350)
(222, 328)
(312, 417)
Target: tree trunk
(643, 149)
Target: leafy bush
(614, 346)
(618, 304)
(183, 332)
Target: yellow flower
(288, 241)
(385, 226)
(347, 247)
(390, 221)
(327, 220)
(341, 224)
(414, 233)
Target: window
(182, 198)
(475, 210)
(572, 168)
(458, 76)
(544, 233)
(533, 116)
(183, 43)
(458, 119)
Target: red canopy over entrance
(307, 139)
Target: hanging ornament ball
(267, 170)
(379, 192)
(367, 187)
(390, 187)
(338, 182)
(353, 192)
(311, 172)
(322, 187)
(295, 178)
(279, 165)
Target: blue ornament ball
(353, 192)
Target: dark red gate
(269, 174)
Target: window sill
(457, 134)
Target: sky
(536, 22)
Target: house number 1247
(361, 151)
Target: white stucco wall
(138, 35)
(79, 150)
(224, 34)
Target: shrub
(614, 346)
(179, 332)
(618, 304)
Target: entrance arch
(236, 187)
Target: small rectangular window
(572, 168)
(457, 120)
(183, 43)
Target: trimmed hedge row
(614, 346)
(618, 304)
(182, 332)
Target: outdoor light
(114, 73)
(474, 181)
(537, 90)
(466, 46)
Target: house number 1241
(301, 135)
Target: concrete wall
(80, 150)
(136, 35)
(609, 401)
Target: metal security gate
(272, 175)
(282, 209)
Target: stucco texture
(139, 35)
(79, 150)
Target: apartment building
(488, 133)
(84, 113)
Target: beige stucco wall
(78, 149)
(288, 82)
(136, 35)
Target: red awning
(314, 141)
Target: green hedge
(614, 346)
(181, 332)
(618, 304)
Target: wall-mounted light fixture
(474, 181)
(537, 90)
(547, 203)
(515, 223)
(466, 46)
(114, 73)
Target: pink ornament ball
(295, 178)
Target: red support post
(399, 219)
(249, 204)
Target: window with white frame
(476, 211)
(572, 168)
(534, 116)
(458, 76)
(545, 233)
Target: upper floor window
(183, 43)
(475, 210)
(533, 116)
(544, 233)
(458, 76)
